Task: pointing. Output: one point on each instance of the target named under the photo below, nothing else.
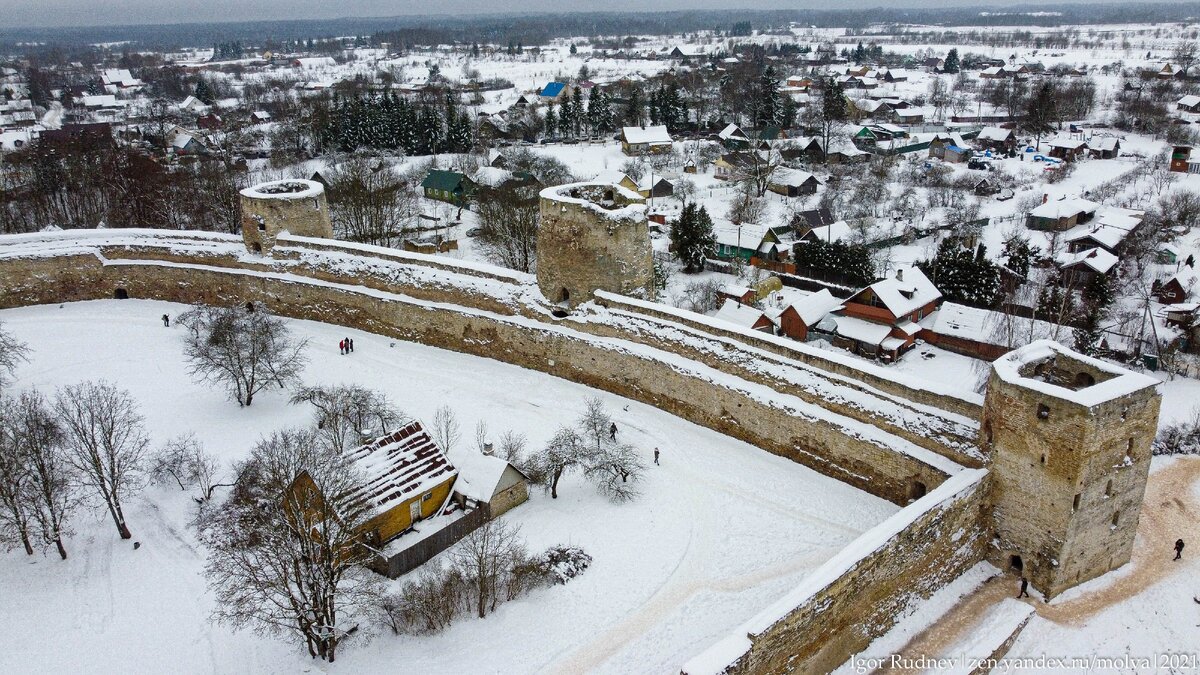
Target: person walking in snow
(350, 342)
(166, 321)
(656, 457)
(1024, 588)
(342, 347)
(612, 431)
(346, 341)
(1178, 549)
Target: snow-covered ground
(721, 530)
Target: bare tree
(483, 441)
(244, 348)
(370, 203)
(484, 556)
(350, 415)
(12, 353)
(53, 488)
(185, 460)
(445, 431)
(285, 551)
(512, 446)
(105, 442)
(16, 512)
(591, 446)
(509, 220)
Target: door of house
(414, 510)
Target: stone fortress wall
(893, 441)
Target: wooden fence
(418, 554)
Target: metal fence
(418, 554)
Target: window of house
(427, 496)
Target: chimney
(899, 274)
(1045, 197)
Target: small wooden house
(798, 319)
(645, 140)
(451, 187)
(405, 477)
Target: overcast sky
(15, 13)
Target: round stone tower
(294, 205)
(593, 236)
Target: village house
(1105, 147)
(740, 294)
(745, 316)
(882, 320)
(1087, 264)
(554, 91)
(405, 477)
(645, 140)
(488, 482)
(996, 139)
(793, 182)
(800, 319)
(1189, 104)
(1062, 214)
(1108, 230)
(451, 187)
(733, 138)
(1068, 149)
(950, 149)
(1177, 287)
(615, 177)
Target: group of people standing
(346, 346)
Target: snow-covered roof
(1097, 259)
(867, 332)
(815, 307)
(906, 292)
(653, 135)
(1109, 229)
(1067, 143)
(478, 474)
(835, 231)
(289, 188)
(1107, 143)
(491, 176)
(398, 466)
(735, 290)
(1064, 208)
(1189, 101)
(994, 134)
(791, 177)
(732, 131)
(739, 314)
(1121, 383)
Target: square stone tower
(1069, 437)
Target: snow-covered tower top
(593, 236)
(294, 205)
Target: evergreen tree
(634, 110)
(551, 122)
(860, 53)
(692, 237)
(600, 116)
(573, 49)
(964, 276)
(579, 120)
(1018, 255)
(475, 50)
(1087, 338)
(849, 262)
(952, 64)
(203, 92)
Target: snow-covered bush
(1181, 438)
(561, 563)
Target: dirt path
(960, 620)
(1169, 511)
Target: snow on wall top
(291, 188)
(1122, 383)
(589, 195)
(719, 656)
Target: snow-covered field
(721, 530)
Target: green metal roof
(443, 180)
